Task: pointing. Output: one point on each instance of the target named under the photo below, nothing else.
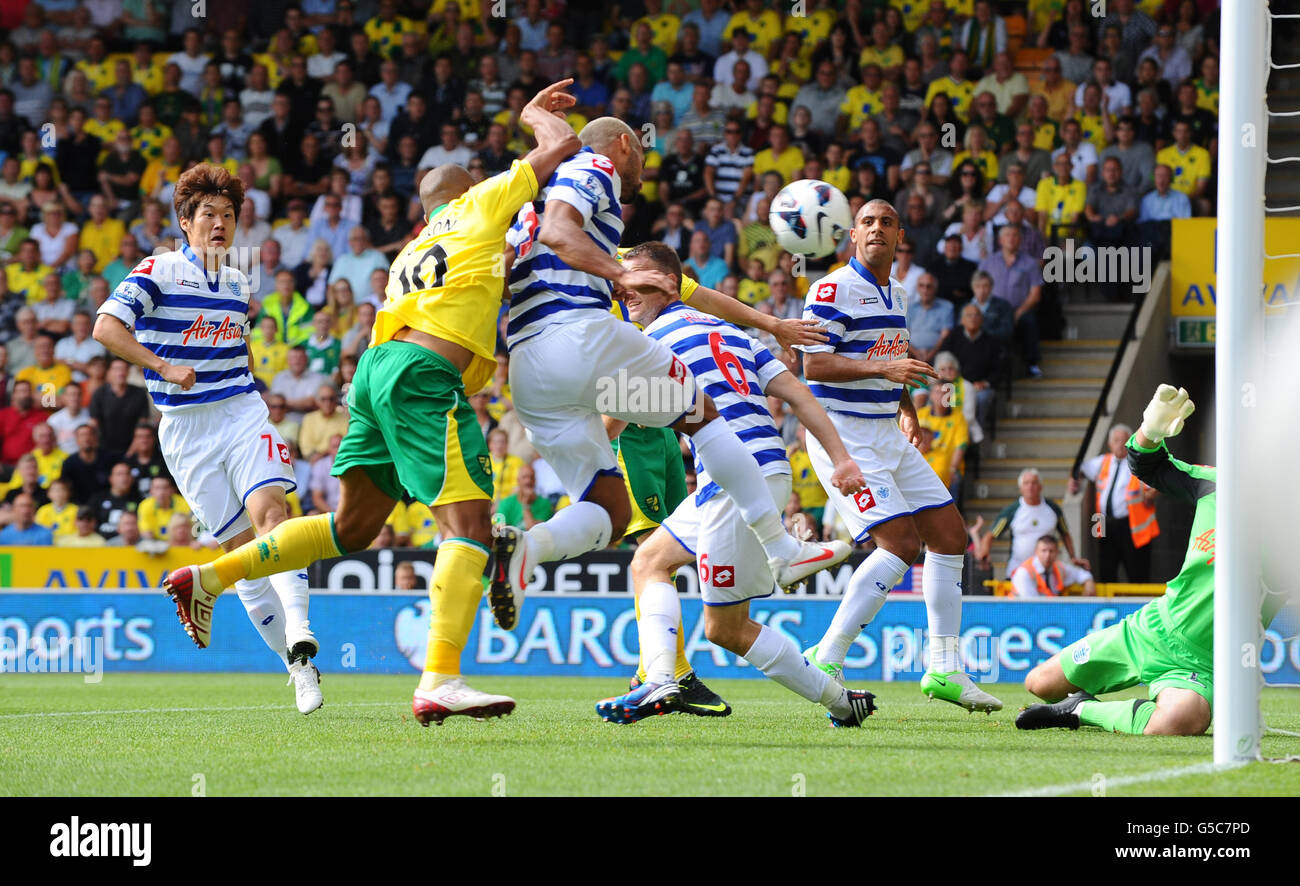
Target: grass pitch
(239, 734)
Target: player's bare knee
(1183, 716)
(722, 633)
(356, 532)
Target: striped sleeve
(830, 320)
(767, 366)
(134, 298)
(590, 190)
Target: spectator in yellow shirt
(888, 56)
(863, 101)
(47, 376)
(1060, 200)
(101, 233)
(27, 275)
(83, 533)
(59, 514)
(803, 479)
(149, 135)
(663, 26)
(96, 65)
(1190, 164)
(164, 169)
(104, 126)
(764, 25)
(505, 467)
(960, 91)
(270, 355)
(782, 157)
(322, 423)
(156, 511)
(949, 437)
(48, 454)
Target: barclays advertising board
(559, 634)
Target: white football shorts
(219, 454)
(566, 377)
(731, 562)
(899, 480)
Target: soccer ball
(810, 217)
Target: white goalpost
(1242, 161)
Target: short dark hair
(1050, 539)
(660, 254)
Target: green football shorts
(651, 461)
(411, 428)
(1139, 649)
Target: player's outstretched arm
(837, 367)
(556, 140)
(113, 334)
(562, 231)
(847, 477)
(1149, 459)
(789, 333)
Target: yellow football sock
(454, 596)
(294, 544)
(683, 663)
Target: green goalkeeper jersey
(1187, 608)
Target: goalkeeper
(1168, 644)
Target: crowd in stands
(997, 129)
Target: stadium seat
(1029, 58)
(1016, 28)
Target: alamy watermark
(1071, 263)
(673, 395)
(54, 655)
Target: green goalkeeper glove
(1166, 413)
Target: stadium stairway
(1043, 422)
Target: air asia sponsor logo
(888, 348)
(1205, 544)
(864, 500)
(826, 292)
(210, 332)
(78, 839)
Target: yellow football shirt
(765, 28)
(788, 165)
(505, 475)
(840, 178)
(105, 240)
(448, 281)
(663, 28)
(861, 103)
(154, 519)
(49, 466)
(101, 75)
(960, 93)
(803, 480)
(1207, 97)
(149, 79)
(751, 292)
(812, 29)
(889, 57)
(58, 521)
(950, 434)
(1060, 202)
(268, 357)
(1093, 128)
(46, 381)
(1046, 137)
(386, 37)
(1188, 168)
(106, 132)
(30, 282)
(987, 161)
(421, 525)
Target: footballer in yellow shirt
(411, 429)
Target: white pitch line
(265, 707)
(1121, 781)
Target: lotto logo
(724, 577)
(826, 292)
(283, 450)
(864, 500)
(600, 161)
(145, 267)
(677, 372)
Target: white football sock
(266, 613)
(292, 590)
(779, 659)
(732, 466)
(941, 585)
(581, 527)
(869, 586)
(661, 613)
